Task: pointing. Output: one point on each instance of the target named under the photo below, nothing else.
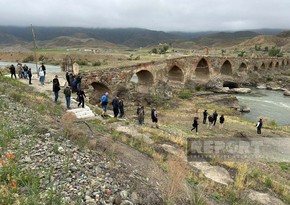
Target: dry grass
(72, 131)
(175, 188)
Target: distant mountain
(132, 37)
(54, 37)
(284, 34)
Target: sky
(161, 15)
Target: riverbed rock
(263, 86)
(244, 108)
(263, 198)
(240, 90)
(286, 93)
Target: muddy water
(272, 105)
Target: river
(49, 68)
(269, 104)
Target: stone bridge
(175, 73)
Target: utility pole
(35, 47)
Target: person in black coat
(121, 108)
(115, 104)
(81, 97)
(12, 71)
(215, 116)
(222, 120)
(204, 116)
(55, 87)
(29, 74)
(259, 126)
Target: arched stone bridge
(175, 72)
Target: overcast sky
(162, 15)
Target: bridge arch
(175, 74)
(271, 65)
(99, 90)
(277, 65)
(202, 69)
(144, 80)
(263, 66)
(226, 68)
(243, 67)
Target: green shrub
(185, 94)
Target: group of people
(118, 106)
(67, 93)
(141, 116)
(23, 72)
(212, 119)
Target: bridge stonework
(175, 73)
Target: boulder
(286, 93)
(240, 90)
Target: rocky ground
(109, 161)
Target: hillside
(55, 37)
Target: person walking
(12, 71)
(210, 121)
(215, 116)
(81, 97)
(204, 116)
(195, 121)
(259, 126)
(67, 94)
(141, 115)
(67, 77)
(55, 87)
(43, 68)
(29, 74)
(41, 77)
(121, 108)
(115, 104)
(154, 117)
(222, 120)
(104, 103)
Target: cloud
(167, 15)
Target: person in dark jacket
(29, 74)
(121, 108)
(259, 126)
(204, 116)
(215, 116)
(67, 77)
(55, 87)
(154, 117)
(67, 94)
(12, 71)
(115, 104)
(222, 120)
(81, 97)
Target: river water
(269, 104)
(49, 68)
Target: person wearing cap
(104, 103)
(55, 87)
